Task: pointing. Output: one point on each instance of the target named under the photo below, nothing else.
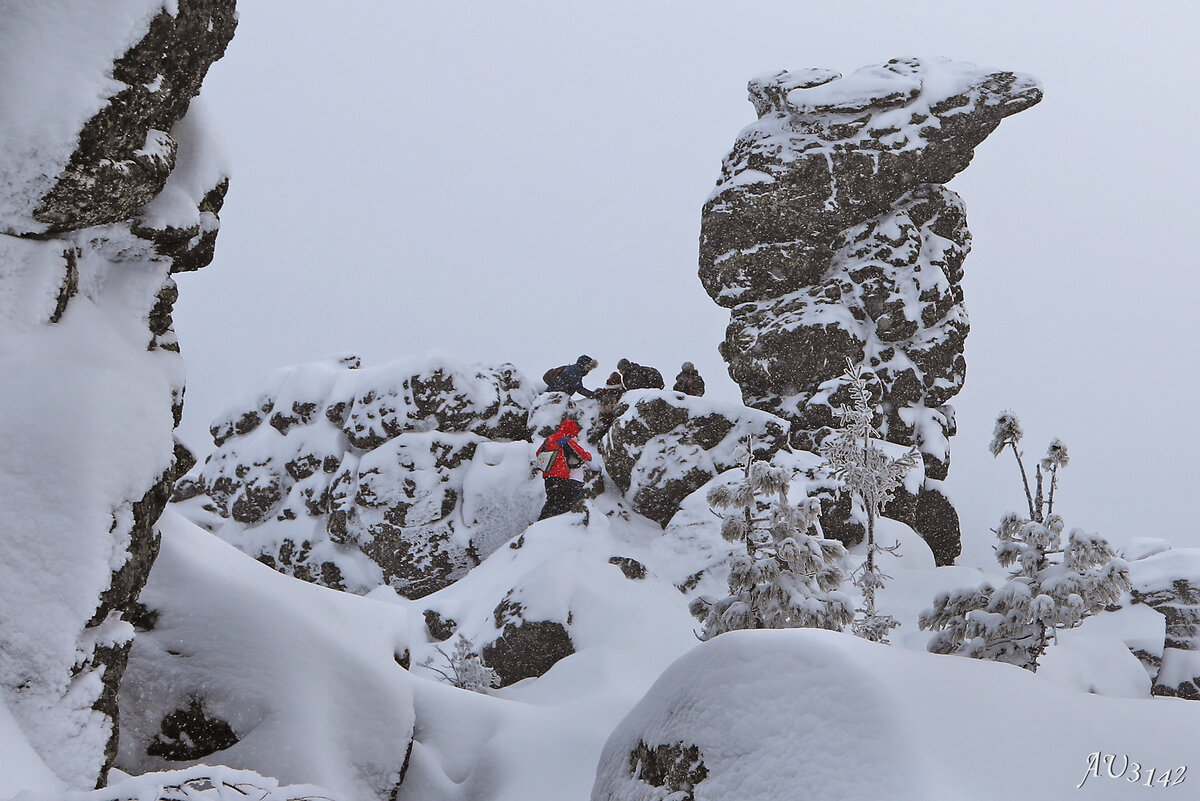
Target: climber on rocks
(562, 461)
(689, 381)
(637, 376)
(609, 396)
(569, 378)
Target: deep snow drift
(805, 713)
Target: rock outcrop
(830, 237)
(664, 445)
(525, 648)
(106, 189)
(1168, 581)
(406, 474)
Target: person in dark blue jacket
(570, 378)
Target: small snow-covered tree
(872, 476)
(1051, 586)
(464, 668)
(787, 577)
(1007, 434)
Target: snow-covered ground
(308, 677)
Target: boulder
(525, 648)
(664, 445)
(831, 239)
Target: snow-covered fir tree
(1050, 586)
(464, 668)
(789, 575)
(872, 477)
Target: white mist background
(413, 176)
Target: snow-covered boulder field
(107, 187)
(805, 713)
(829, 236)
(406, 474)
(410, 473)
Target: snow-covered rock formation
(1168, 581)
(406, 474)
(829, 235)
(664, 445)
(107, 187)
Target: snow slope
(306, 677)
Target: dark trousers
(561, 496)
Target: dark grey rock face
(72, 228)
(665, 445)
(126, 152)
(830, 238)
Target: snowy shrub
(465, 669)
(872, 477)
(1050, 586)
(787, 578)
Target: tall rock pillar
(830, 236)
(106, 189)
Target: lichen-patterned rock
(831, 239)
(355, 477)
(97, 128)
(664, 445)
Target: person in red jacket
(564, 472)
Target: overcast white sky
(409, 176)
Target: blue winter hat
(583, 360)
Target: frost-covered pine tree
(1050, 586)
(465, 669)
(872, 476)
(789, 575)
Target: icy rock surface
(829, 235)
(96, 128)
(229, 647)
(664, 445)
(405, 474)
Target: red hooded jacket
(558, 468)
